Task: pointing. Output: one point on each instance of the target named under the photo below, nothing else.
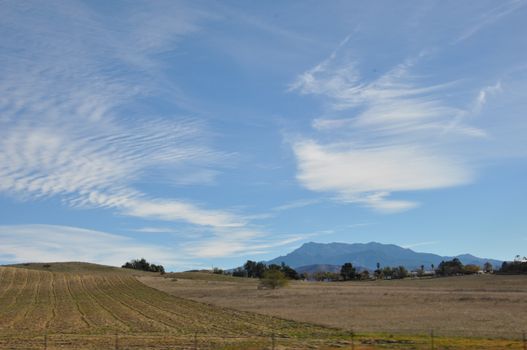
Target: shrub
(471, 269)
(273, 278)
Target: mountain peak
(367, 255)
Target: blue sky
(205, 133)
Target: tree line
(253, 269)
(517, 266)
(275, 275)
(143, 265)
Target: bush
(273, 279)
(471, 269)
(143, 265)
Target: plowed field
(103, 306)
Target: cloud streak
(68, 126)
(391, 134)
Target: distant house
(422, 273)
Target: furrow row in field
(16, 286)
(7, 282)
(134, 320)
(176, 307)
(223, 321)
(98, 316)
(176, 320)
(38, 316)
(9, 302)
(75, 298)
(29, 301)
(3, 273)
(68, 318)
(216, 319)
(160, 324)
(52, 298)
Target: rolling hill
(89, 302)
(367, 255)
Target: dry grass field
(83, 306)
(481, 306)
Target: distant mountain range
(319, 256)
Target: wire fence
(433, 340)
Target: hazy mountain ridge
(368, 255)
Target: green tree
(347, 272)
(450, 267)
(518, 266)
(400, 272)
(273, 278)
(239, 272)
(289, 272)
(488, 268)
(250, 268)
(364, 275)
(142, 264)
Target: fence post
(116, 341)
(273, 340)
(432, 339)
(196, 341)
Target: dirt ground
(487, 305)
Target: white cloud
(69, 89)
(484, 94)
(296, 204)
(156, 230)
(490, 17)
(419, 244)
(223, 247)
(177, 211)
(369, 175)
(359, 170)
(390, 134)
(52, 243)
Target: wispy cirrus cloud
(296, 204)
(490, 17)
(77, 123)
(68, 123)
(419, 244)
(253, 244)
(395, 133)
